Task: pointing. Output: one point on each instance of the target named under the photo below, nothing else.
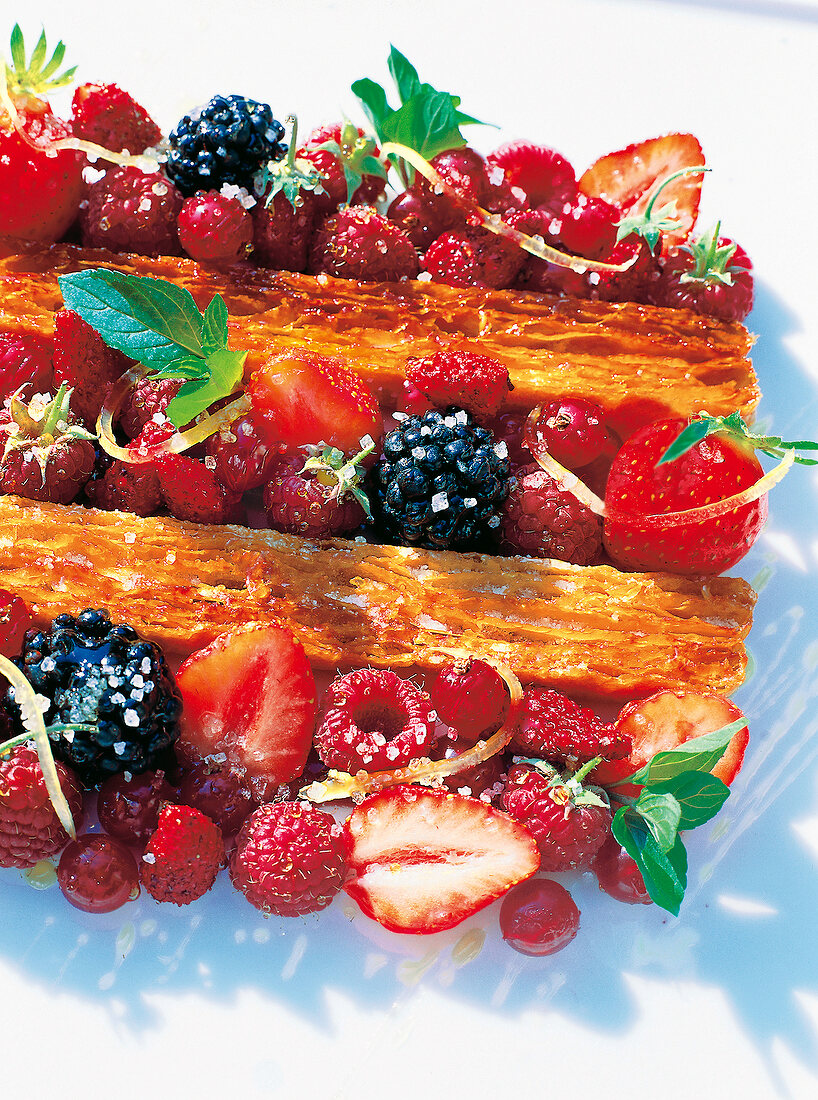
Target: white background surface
(721, 1002)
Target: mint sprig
(159, 325)
(735, 427)
(678, 792)
(427, 120)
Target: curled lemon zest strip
(564, 478)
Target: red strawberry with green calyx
(710, 275)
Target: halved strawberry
(628, 176)
(666, 720)
(309, 398)
(423, 859)
(250, 695)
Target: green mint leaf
(147, 319)
(661, 814)
(186, 366)
(405, 75)
(226, 370)
(700, 796)
(665, 873)
(214, 326)
(425, 123)
(697, 754)
(374, 102)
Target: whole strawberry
(25, 361)
(214, 228)
(569, 822)
(319, 498)
(147, 400)
(477, 383)
(29, 827)
(288, 859)
(554, 727)
(542, 520)
(106, 115)
(473, 257)
(132, 211)
(192, 492)
(83, 361)
(183, 856)
(348, 164)
(360, 243)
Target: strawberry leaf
(225, 371)
(698, 754)
(735, 427)
(664, 872)
(699, 795)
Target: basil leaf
(214, 326)
(665, 873)
(697, 754)
(404, 74)
(374, 102)
(700, 796)
(147, 319)
(226, 369)
(661, 814)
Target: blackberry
(104, 676)
(441, 482)
(227, 141)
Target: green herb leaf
(697, 754)
(405, 75)
(373, 100)
(664, 872)
(225, 372)
(214, 326)
(699, 795)
(661, 813)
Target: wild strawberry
(128, 806)
(360, 243)
(568, 821)
(84, 361)
(40, 188)
(106, 115)
(191, 491)
(303, 397)
(425, 860)
(148, 399)
(288, 859)
(132, 211)
(572, 431)
(46, 454)
(543, 520)
(214, 228)
(539, 917)
(628, 177)
(641, 491)
(218, 791)
(97, 874)
(372, 720)
(244, 453)
(183, 856)
(249, 697)
(618, 875)
(15, 620)
(29, 827)
(710, 275)
(543, 174)
(348, 163)
(554, 727)
(283, 230)
(126, 487)
(319, 498)
(421, 221)
(470, 696)
(473, 257)
(477, 383)
(25, 361)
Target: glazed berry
(132, 211)
(485, 781)
(710, 275)
(220, 793)
(300, 502)
(97, 873)
(360, 243)
(183, 856)
(477, 383)
(543, 276)
(508, 428)
(571, 430)
(191, 490)
(420, 220)
(542, 173)
(214, 228)
(25, 360)
(29, 827)
(471, 697)
(345, 158)
(440, 482)
(542, 520)
(373, 720)
(288, 859)
(554, 727)
(619, 875)
(473, 257)
(464, 170)
(227, 141)
(244, 454)
(128, 805)
(15, 620)
(586, 226)
(104, 676)
(118, 486)
(538, 917)
(109, 117)
(283, 231)
(83, 361)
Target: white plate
(214, 998)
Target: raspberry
(543, 276)
(485, 781)
(214, 228)
(191, 491)
(104, 114)
(126, 487)
(554, 727)
(148, 398)
(360, 243)
(476, 383)
(288, 859)
(282, 232)
(84, 361)
(44, 453)
(572, 431)
(183, 856)
(470, 696)
(373, 720)
(569, 823)
(29, 827)
(15, 620)
(538, 917)
(473, 257)
(544, 174)
(132, 211)
(542, 520)
(244, 454)
(25, 360)
(301, 504)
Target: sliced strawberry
(627, 177)
(310, 398)
(423, 860)
(668, 719)
(250, 696)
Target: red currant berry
(619, 875)
(15, 620)
(219, 794)
(420, 220)
(587, 227)
(97, 873)
(572, 431)
(470, 696)
(214, 228)
(538, 917)
(129, 805)
(245, 454)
